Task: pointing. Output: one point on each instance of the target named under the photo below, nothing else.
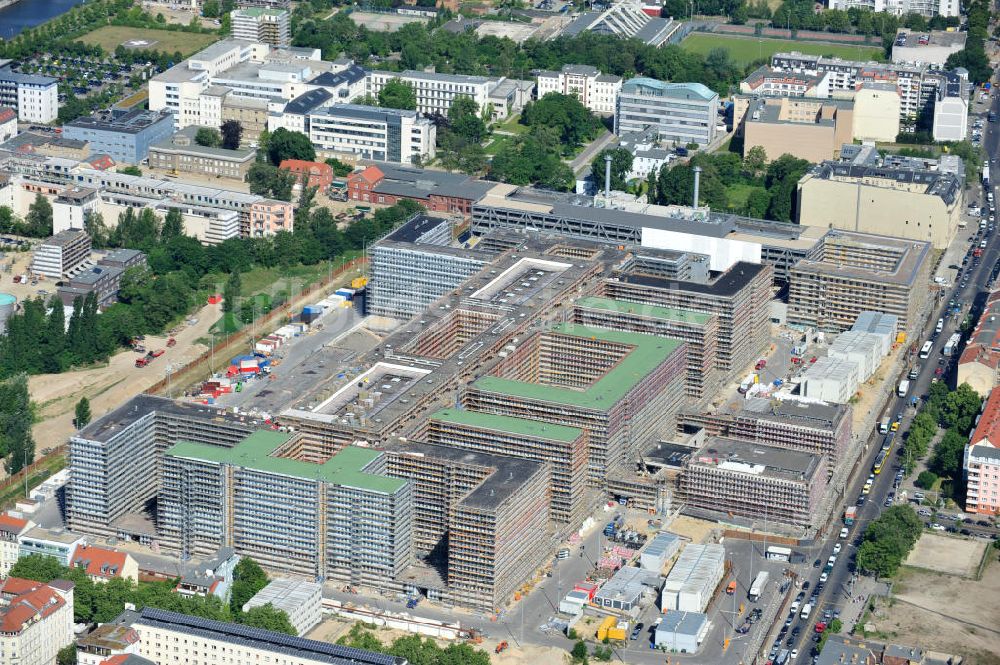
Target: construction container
(346, 293)
(359, 282)
(619, 631)
(607, 625)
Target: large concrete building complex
(597, 91)
(682, 113)
(853, 193)
(372, 133)
(855, 272)
(754, 480)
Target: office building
(435, 92)
(732, 477)
(980, 358)
(302, 601)
(12, 527)
(854, 192)
(103, 565)
(62, 255)
(563, 448)
(115, 462)
(339, 519)
(371, 133)
(597, 91)
(698, 330)
(590, 378)
(508, 97)
(56, 543)
(854, 272)
(491, 510)
(264, 25)
(626, 20)
(124, 135)
(180, 153)
(416, 264)
(682, 113)
(951, 110)
(981, 462)
(863, 349)
(926, 8)
(810, 129)
(163, 635)
(931, 47)
(659, 551)
(693, 579)
(37, 620)
(34, 98)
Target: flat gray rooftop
(757, 459)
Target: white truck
(904, 387)
(757, 588)
(806, 611)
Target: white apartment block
(926, 8)
(951, 111)
(595, 90)
(37, 620)
(34, 98)
(436, 92)
(257, 24)
(372, 133)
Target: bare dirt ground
(945, 554)
(689, 527)
(109, 386)
(945, 613)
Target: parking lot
(84, 75)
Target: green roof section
(642, 309)
(254, 452)
(522, 426)
(649, 352)
(257, 12)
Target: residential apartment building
(981, 462)
(103, 565)
(264, 25)
(416, 264)
(302, 601)
(166, 636)
(107, 642)
(180, 153)
(854, 272)
(563, 448)
(753, 480)
(771, 82)
(698, 330)
(491, 511)
(951, 110)
(125, 135)
(62, 255)
(647, 155)
(978, 365)
(926, 8)
(590, 378)
(682, 113)
(372, 133)
(12, 527)
(8, 124)
(435, 92)
(37, 620)
(102, 281)
(597, 91)
(34, 98)
(854, 192)
(270, 216)
(341, 519)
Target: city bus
(925, 350)
(778, 553)
(879, 462)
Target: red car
(939, 371)
(820, 627)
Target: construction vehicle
(503, 646)
(142, 362)
(171, 342)
(157, 353)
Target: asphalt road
(837, 591)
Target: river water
(29, 13)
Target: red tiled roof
(371, 174)
(27, 599)
(7, 113)
(12, 524)
(988, 429)
(303, 165)
(98, 562)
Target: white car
(836, 548)
(823, 577)
(795, 654)
(937, 527)
(843, 532)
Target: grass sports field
(110, 36)
(745, 50)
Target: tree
(571, 122)
(131, 170)
(248, 579)
(93, 224)
(232, 134)
(67, 655)
(360, 637)
(284, 144)
(579, 652)
(755, 161)
(267, 180)
(82, 413)
(231, 292)
(398, 94)
(173, 225)
(340, 169)
(38, 567)
(15, 423)
(208, 136)
(268, 617)
(926, 480)
(38, 221)
(621, 164)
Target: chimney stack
(697, 182)
(607, 176)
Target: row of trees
(101, 602)
(16, 417)
(888, 540)
(973, 57)
(415, 649)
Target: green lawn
(498, 142)
(736, 196)
(167, 41)
(513, 125)
(745, 50)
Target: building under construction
(486, 515)
(625, 389)
(698, 330)
(563, 448)
(752, 480)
